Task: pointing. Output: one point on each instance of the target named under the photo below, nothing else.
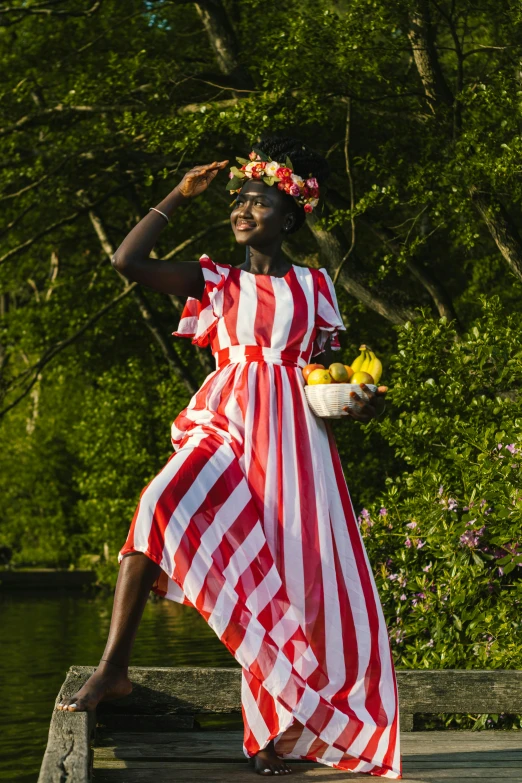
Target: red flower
(308, 208)
(283, 172)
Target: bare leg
(110, 680)
(267, 762)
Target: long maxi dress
(252, 524)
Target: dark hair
(305, 161)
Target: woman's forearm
(141, 239)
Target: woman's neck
(265, 261)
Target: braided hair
(305, 161)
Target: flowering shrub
(445, 540)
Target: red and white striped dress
(252, 524)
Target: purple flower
(403, 597)
(452, 504)
(421, 595)
(392, 577)
(500, 571)
(383, 512)
(407, 543)
(471, 538)
(420, 544)
(500, 446)
(411, 525)
(512, 448)
(403, 581)
(427, 567)
(470, 522)
(483, 503)
(365, 513)
(414, 602)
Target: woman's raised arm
(132, 258)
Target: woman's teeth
(243, 225)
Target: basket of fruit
(328, 390)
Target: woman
(250, 521)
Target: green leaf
(234, 183)
(289, 164)
(261, 154)
(242, 161)
(502, 560)
(268, 180)
(509, 568)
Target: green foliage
(444, 537)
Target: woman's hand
(199, 178)
(367, 409)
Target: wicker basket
(328, 399)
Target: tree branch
(500, 226)
(36, 368)
(147, 313)
(332, 249)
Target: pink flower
(312, 182)
(308, 208)
(412, 525)
(230, 175)
(427, 568)
(403, 597)
(383, 512)
(512, 448)
(420, 544)
(294, 190)
(407, 543)
(253, 155)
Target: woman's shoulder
(206, 261)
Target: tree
(416, 105)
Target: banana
(356, 365)
(374, 368)
(367, 360)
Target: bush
(444, 538)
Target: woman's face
(261, 214)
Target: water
(43, 634)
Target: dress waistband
(240, 354)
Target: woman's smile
(245, 225)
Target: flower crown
(260, 166)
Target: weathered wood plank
(182, 690)
(452, 741)
(227, 746)
(68, 754)
(221, 772)
(189, 690)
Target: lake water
(42, 635)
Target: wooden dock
(153, 735)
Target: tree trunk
(422, 41)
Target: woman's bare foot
(267, 762)
(107, 682)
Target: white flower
(314, 202)
(271, 168)
(297, 180)
(250, 165)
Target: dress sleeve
(200, 316)
(328, 319)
